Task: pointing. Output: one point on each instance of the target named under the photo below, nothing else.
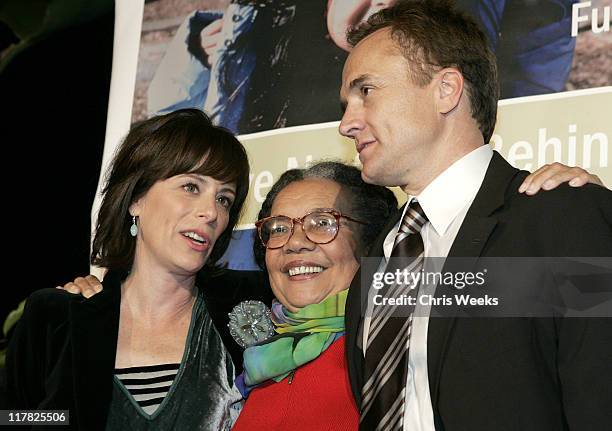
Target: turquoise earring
(134, 227)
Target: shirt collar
(453, 189)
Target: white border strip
(126, 43)
(128, 25)
(556, 96)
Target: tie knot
(414, 219)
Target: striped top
(148, 385)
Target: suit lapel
(477, 227)
(356, 302)
(95, 328)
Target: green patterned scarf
(302, 337)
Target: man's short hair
(434, 34)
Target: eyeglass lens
(319, 227)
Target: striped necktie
(386, 357)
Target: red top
(318, 398)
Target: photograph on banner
(260, 65)
(251, 66)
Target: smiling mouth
(301, 270)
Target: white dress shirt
(445, 201)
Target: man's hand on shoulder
(86, 286)
(550, 176)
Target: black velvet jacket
(62, 354)
(66, 344)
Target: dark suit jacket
(515, 373)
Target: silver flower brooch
(250, 323)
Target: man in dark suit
(420, 94)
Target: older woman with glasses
(313, 227)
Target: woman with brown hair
(144, 353)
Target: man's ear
(450, 89)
